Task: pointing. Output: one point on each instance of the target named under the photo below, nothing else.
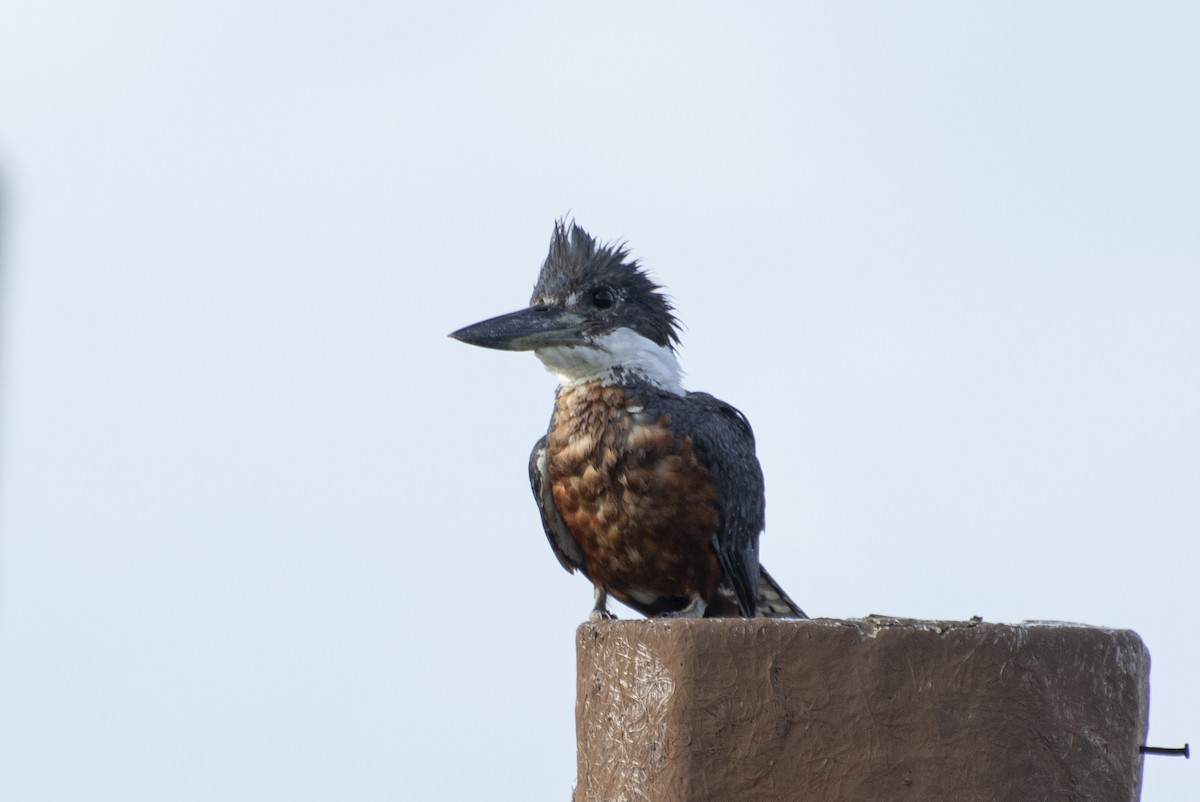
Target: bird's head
(594, 314)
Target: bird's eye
(603, 298)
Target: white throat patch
(601, 358)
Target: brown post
(862, 710)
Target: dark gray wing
(564, 545)
(724, 442)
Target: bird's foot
(600, 608)
(693, 610)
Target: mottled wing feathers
(724, 442)
(772, 601)
(564, 545)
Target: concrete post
(863, 710)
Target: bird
(655, 494)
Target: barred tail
(772, 602)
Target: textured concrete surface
(872, 709)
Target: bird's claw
(693, 610)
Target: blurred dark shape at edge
(5, 339)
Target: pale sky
(266, 533)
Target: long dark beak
(535, 327)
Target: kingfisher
(653, 493)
